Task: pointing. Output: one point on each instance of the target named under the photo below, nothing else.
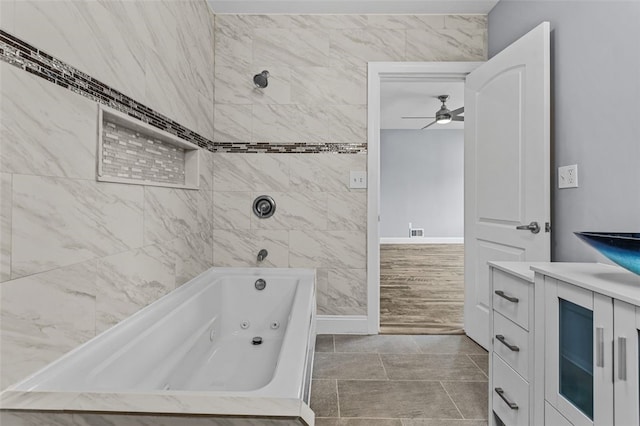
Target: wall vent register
(415, 232)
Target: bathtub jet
(260, 284)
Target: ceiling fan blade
(457, 111)
(430, 124)
(457, 118)
(415, 117)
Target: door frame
(377, 73)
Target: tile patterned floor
(393, 380)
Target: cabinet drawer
(511, 297)
(511, 342)
(514, 389)
(553, 418)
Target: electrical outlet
(358, 179)
(568, 176)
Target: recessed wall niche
(134, 152)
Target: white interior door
(507, 167)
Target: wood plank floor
(421, 288)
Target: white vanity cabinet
(511, 362)
(577, 359)
(591, 321)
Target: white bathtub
(192, 352)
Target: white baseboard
(341, 324)
(423, 240)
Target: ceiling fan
(443, 115)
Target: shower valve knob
(264, 206)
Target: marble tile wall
(317, 93)
(318, 65)
(319, 221)
(77, 255)
(158, 53)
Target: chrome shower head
(260, 80)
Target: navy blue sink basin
(622, 248)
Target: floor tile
(324, 343)
(430, 367)
(324, 398)
(376, 344)
(394, 399)
(348, 366)
(442, 422)
(357, 422)
(482, 361)
(448, 345)
(470, 398)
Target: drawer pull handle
(511, 405)
(511, 347)
(504, 296)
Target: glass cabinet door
(575, 361)
(578, 368)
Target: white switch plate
(568, 176)
(358, 179)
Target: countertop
(609, 280)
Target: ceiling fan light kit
(444, 115)
(443, 118)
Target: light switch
(358, 179)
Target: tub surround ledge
(166, 402)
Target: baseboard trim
(342, 324)
(423, 240)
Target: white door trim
(391, 71)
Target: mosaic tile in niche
(128, 154)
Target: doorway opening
(413, 173)
(421, 207)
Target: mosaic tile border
(23, 55)
(290, 148)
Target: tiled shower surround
(95, 252)
(317, 92)
(319, 222)
(37, 62)
(77, 255)
(21, 54)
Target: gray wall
(422, 181)
(596, 111)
